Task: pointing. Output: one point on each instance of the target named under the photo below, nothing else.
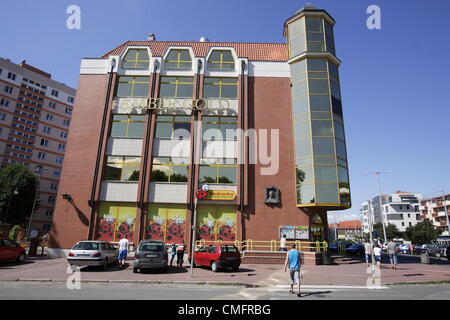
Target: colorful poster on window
(216, 223)
(116, 222)
(166, 223)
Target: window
(4, 102)
(56, 173)
(59, 159)
(41, 155)
(8, 89)
(11, 76)
(53, 186)
(49, 117)
(176, 87)
(49, 213)
(222, 88)
(44, 142)
(122, 168)
(2, 116)
(167, 169)
(46, 129)
(66, 122)
(173, 127)
(70, 99)
(46, 227)
(133, 87)
(219, 128)
(61, 147)
(221, 60)
(51, 104)
(63, 134)
(55, 93)
(136, 59)
(128, 126)
(215, 170)
(68, 111)
(178, 59)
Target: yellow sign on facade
(221, 195)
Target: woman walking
(174, 253)
(377, 254)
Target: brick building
(157, 120)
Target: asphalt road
(22, 290)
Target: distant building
(350, 230)
(434, 210)
(400, 209)
(35, 115)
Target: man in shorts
(123, 252)
(368, 251)
(392, 251)
(293, 261)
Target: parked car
(333, 246)
(404, 248)
(9, 250)
(218, 256)
(355, 249)
(92, 253)
(151, 254)
(434, 250)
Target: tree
(391, 231)
(422, 232)
(16, 207)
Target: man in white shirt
(283, 243)
(123, 252)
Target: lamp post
(379, 197)
(371, 220)
(39, 169)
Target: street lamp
(379, 196)
(446, 212)
(39, 169)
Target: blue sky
(395, 81)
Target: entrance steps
(278, 257)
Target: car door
(9, 250)
(112, 252)
(2, 250)
(211, 255)
(200, 256)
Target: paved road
(11, 290)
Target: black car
(447, 252)
(355, 249)
(333, 247)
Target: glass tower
(319, 140)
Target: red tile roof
(351, 224)
(252, 51)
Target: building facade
(400, 209)
(258, 125)
(345, 230)
(35, 115)
(434, 210)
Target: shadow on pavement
(8, 265)
(111, 268)
(317, 294)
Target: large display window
(116, 221)
(166, 222)
(216, 222)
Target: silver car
(92, 253)
(151, 254)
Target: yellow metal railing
(269, 245)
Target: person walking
(283, 243)
(392, 251)
(123, 252)
(293, 261)
(174, 253)
(377, 254)
(180, 254)
(368, 247)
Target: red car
(9, 250)
(218, 256)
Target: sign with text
(226, 195)
(295, 232)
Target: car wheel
(164, 270)
(214, 267)
(437, 254)
(21, 257)
(135, 270)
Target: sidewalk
(347, 272)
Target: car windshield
(86, 246)
(151, 246)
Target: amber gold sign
(221, 195)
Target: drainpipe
(241, 196)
